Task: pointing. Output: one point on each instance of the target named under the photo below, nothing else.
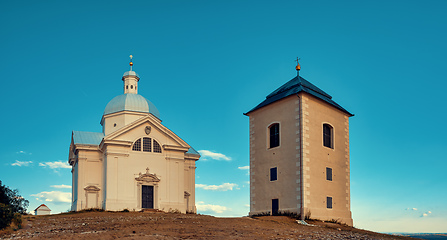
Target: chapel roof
(87, 138)
(43, 206)
(131, 102)
(191, 150)
(295, 86)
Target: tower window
(274, 135)
(157, 147)
(328, 136)
(329, 174)
(137, 145)
(131, 86)
(147, 144)
(127, 87)
(329, 202)
(273, 174)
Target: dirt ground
(160, 225)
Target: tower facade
(299, 154)
(135, 162)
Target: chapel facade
(135, 163)
(299, 154)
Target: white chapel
(135, 163)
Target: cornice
(109, 153)
(175, 148)
(175, 158)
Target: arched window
(328, 136)
(157, 147)
(274, 135)
(137, 145)
(149, 145)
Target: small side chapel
(135, 162)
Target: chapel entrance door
(147, 196)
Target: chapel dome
(131, 102)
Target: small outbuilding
(42, 210)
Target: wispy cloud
(222, 187)
(245, 168)
(55, 164)
(413, 209)
(426, 214)
(201, 206)
(21, 164)
(53, 196)
(213, 155)
(60, 186)
(23, 152)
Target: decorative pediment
(92, 188)
(147, 177)
(156, 125)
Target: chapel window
(137, 145)
(328, 136)
(157, 147)
(147, 146)
(274, 135)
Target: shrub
(12, 199)
(334, 221)
(17, 220)
(92, 210)
(12, 205)
(261, 214)
(6, 215)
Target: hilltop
(161, 225)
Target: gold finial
(298, 66)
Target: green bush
(17, 220)
(12, 205)
(6, 215)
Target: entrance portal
(147, 196)
(275, 207)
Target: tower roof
(131, 102)
(295, 86)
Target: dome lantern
(130, 79)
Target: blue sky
(205, 63)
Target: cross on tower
(298, 66)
